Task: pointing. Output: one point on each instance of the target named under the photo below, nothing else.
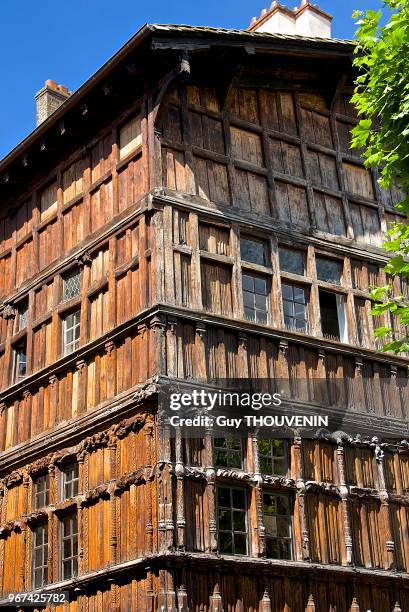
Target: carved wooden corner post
(164, 484)
(166, 595)
(113, 499)
(82, 458)
(182, 598)
(149, 485)
(343, 491)
(171, 347)
(210, 490)
(52, 559)
(303, 552)
(385, 509)
(24, 530)
(258, 491)
(180, 490)
(158, 327)
(168, 263)
(3, 514)
(80, 512)
(158, 262)
(150, 595)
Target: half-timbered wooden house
(194, 212)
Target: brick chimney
(48, 99)
(305, 20)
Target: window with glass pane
(41, 491)
(329, 270)
(22, 313)
(40, 556)
(255, 298)
(292, 261)
(273, 457)
(253, 251)
(232, 520)
(70, 481)
(71, 285)
(69, 536)
(71, 332)
(20, 361)
(228, 452)
(277, 523)
(295, 307)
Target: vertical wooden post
(112, 448)
(237, 292)
(60, 218)
(157, 268)
(150, 460)
(210, 490)
(80, 513)
(168, 263)
(343, 490)
(385, 510)
(196, 271)
(277, 315)
(200, 346)
(180, 488)
(303, 539)
(242, 358)
(112, 284)
(260, 539)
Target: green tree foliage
(382, 100)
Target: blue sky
(67, 41)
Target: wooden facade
(123, 229)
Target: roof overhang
(177, 38)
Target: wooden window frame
(271, 457)
(43, 568)
(229, 451)
(66, 278)
(72, 482)
(288, 517)
(232, 508)
(70, 347)
(17, 362)
(265, 278)
(45, 493)
(306, 288)
(73, 538)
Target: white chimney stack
(305, 20)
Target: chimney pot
(49, 98)
(305, 20)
